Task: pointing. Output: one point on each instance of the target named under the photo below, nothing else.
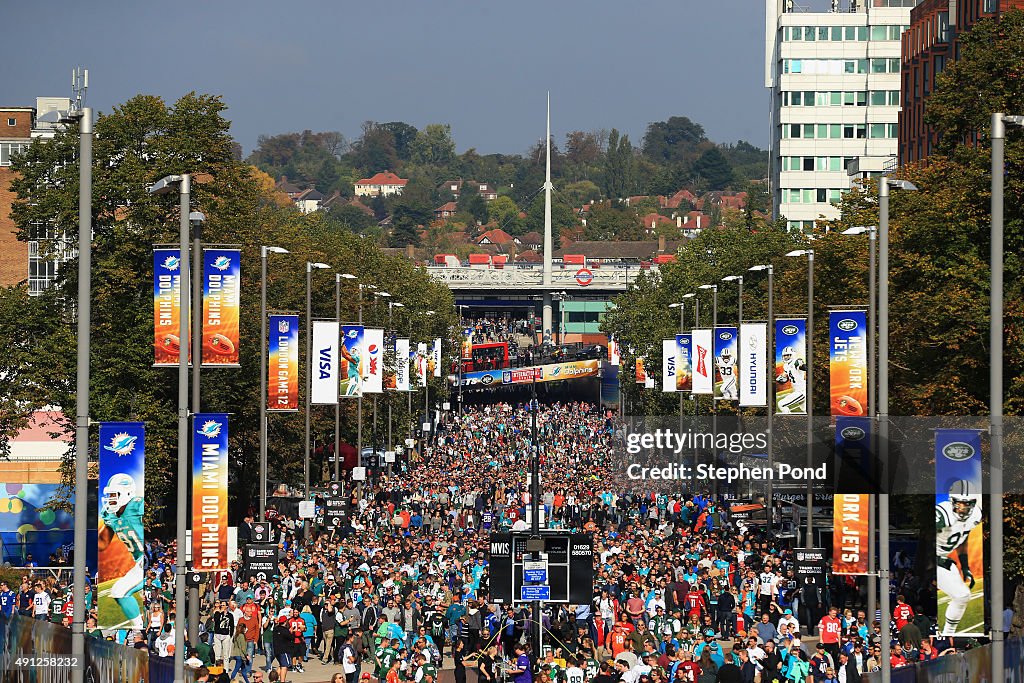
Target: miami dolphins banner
(166, 306)
(614, 355)
(668, 365)
(790, 366)
(725, 364)
(848, 362)
(684, 368)
(401, 365)
(352, 353)
(283, 363)
(753, 365)
(435, 358)
(701, 360)
(323, 369)
(467, 343)
(222, 291)
(373, 366)
(959, 542)
(210, 492)
(121, 556)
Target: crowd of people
(682, 594)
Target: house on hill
(381, 185)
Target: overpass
(592, 280)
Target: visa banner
(702, 357)
(373, 366)
(167, 307)
(210, 492)
(668, 365)
(120, 536)
(283, 363)
(351, 370)
(684, 369)
(725, 364)
(753, 365)
(848, 362)
(222, 291)
(790, 366)
(323, 370)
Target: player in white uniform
(954, 520)
(727, 369)
(794, 371)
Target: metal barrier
(969, 666)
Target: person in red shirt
(902, 613)
(618, 640)
(897, 658)
(695, 603)
(690, 669)
(829, 630)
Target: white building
(835, 84)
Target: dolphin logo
(171, 263)
(210, 429)
(222, 263)
(122, 444)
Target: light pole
(770, 503)
(196, 220)
(309, 376)
(739, 297)
(338, 277)
(884, 185)
(809, 400)
(264, 252)
(999, 123)
(166, 185)
(872, 232)
(373, 439)
(714, 406)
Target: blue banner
(210, 492)
(684, 370)
(791, 366)
(120, 537)
(283, 364)
(726, 388)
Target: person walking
(240, 653)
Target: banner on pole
(373, 367)
(351, 350)
(210, 492)
(725, 364)
(668, 365)
(850, 536)
(684, 369)
(613, 351)
(753, 365)
(467, 343)
(959, 540)
(848, 362)
(791, 366)
(167, 307)
(120, 537)
(222, 292)
(641, 371)
(435, 358)
(421, 363)
(703, 380)
(402, 365)
(283, 363)
(323, 369)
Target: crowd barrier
(22, 638)
(970, 666)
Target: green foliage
(433, 145)
(504, 212)
(612, 222)
(563, 216)
(674, 142)
(714, 169)
(619, 167)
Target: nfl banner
(421, 363)
(684, 371)
(959, 542)
(753, 364)
(351, 350)
(702, 377)
(121, 556)
(210, 492)
(668, 365)
(848, 362)
(725, 364)
(435, 358)
(467, 343)
(850, 536)
(222, 291)
(373, 368)
(641, 371)
(790, 366)
(323, 369)
(283, 365)
(613, 351)
(167, 306)
(402, 365)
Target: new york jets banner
(283, 363)
(850, 505)
(373, 368)
(848, 362)
(210, 492)
(668, 365)
(790, 366)
(435, 357)
(684, 369)
(752, 359)
(703, 377)
(120, 537)
(467, 343)
(323, 371)
(222, 291)
(351, 350)
(725, 364)
(959, 542)
(166, 306)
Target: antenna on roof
(79, 84)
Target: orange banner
(850, 535)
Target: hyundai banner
(166, 306)
(790, 366)
(351, 371)
(959, 536)
(121, 556)
(210, 492)
(753, 365)
(684, 369)
(222, 291)
(373, 366)
(668, 365)
(725, 364)
(848, 362)
(283, 363)
(323, 370)
(702, 362)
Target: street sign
(809, 566)
(535, 571)
(335, 512)
(527, 593)
(259, 561)
(358, 474)
(389, 456)
(193, 579)
(307, 509)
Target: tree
(619, 166)
(375, 150)
(580, 193)
(505, 214)
(433, 145)
(583, 149)
(714, 169)
(472, 203)
(607, 222)
(404, 136)
(674, 141)
(562, 217)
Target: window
(9, 149)
(942, 28)
(878, 66)
(894, 65)
(837, 34)
(808, 163)
(823, 33)
(12, 122)
(879, 98)
(878, 130)
(809, 33)
(879, 32)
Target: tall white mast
(546, 320)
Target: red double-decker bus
(491, 356)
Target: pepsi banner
(959, 540)
(753, 365)
(283, 365)
(725, 364)
(373, 367)
(323, 370)
(120, 536)
(668, 365)
(848, 362)
(167, 307)
(222, 291)
(351, 350)
(210, 492)
(790, 366)
(703, 380)
(435, 358)
(684, 369)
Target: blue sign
(535, 575)
(527, 593)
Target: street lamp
(166, 185)
(338, 277)
(809, 399)
(310, 266)
(770, 403)
(738, 279)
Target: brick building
(928, 46)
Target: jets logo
(789, 330)
(958, 451)
(725, 336)
(122, 444)
(847, 325)
(853, 433)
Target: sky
(483, 67)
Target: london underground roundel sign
(584, 277)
